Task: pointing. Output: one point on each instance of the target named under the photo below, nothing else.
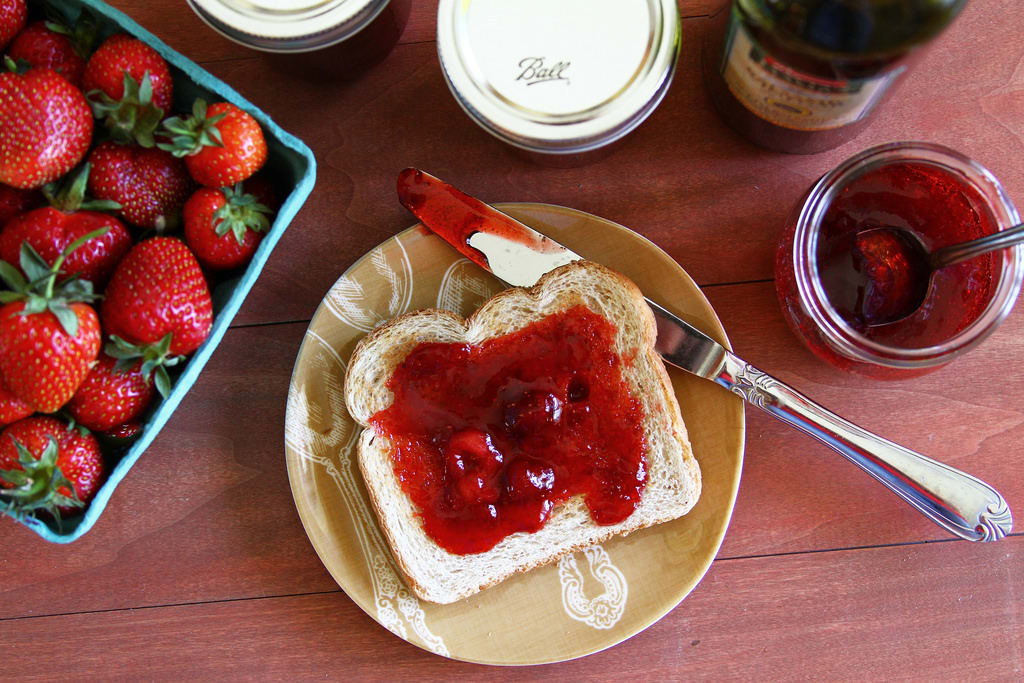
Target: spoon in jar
(896, 269)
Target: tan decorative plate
(580, 605)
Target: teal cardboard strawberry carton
(165, 147)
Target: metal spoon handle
(955, 253)
(956, 501)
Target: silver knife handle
(956, 501)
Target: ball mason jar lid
(558, 77)
(287, 25)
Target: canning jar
(558, 79)
(940, 196)
(803, 76)
(310, 38)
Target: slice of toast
(673, 477)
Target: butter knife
(519, 255)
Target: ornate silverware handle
(965, 505)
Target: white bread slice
(673, 482)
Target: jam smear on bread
(488, 438)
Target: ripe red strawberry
(44, 45)
(40, 361)
(51, 229)
(158, 288)
(224, 227)
(129, 86)
(13, 14)
(222, 145)
(14, 200)
(119, 388)
(47, 467)
(45, 127)
(48, 337)
(108, 397)
(120, 54)
(150, 184)
(12, 408)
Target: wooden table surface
(200, 567)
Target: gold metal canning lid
(560, 77)
(287, 25)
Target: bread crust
(673, 474)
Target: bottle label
(789, 98)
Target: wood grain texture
(199, 565)
(207, 514)
(682, 179)
(874, 614)
(797, 493)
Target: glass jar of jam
(942, 198)
(803, 76)
(558, 80)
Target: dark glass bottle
(804, 76)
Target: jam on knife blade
(456, 216)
